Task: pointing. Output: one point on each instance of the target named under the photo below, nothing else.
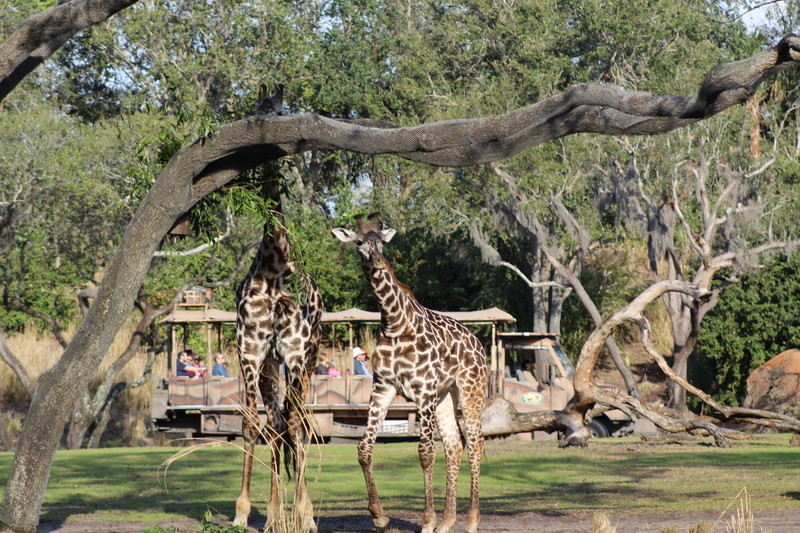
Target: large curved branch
(586, 392)
(39, 36)
(583, 108)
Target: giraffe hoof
(381, 523)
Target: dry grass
(742, 521)
(601, 523)
(340, 353)
(38, 351)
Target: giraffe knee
(364, 454)
(427, 456)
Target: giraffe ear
(387, 234)
(344, 235)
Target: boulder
(775, 385)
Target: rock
(775, 385)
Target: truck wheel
(598, 430)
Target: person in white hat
(359, 362)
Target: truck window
(565, 362)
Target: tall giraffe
(273, 327)
(433, 361)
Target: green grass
(613, 475)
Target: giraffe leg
(274, 429)
(453, 448)
(472, 407)
(297, 425)
(382, 395)
(427, 456)
(250, 434)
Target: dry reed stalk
(742, 521)
(601, 523)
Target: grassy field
(612, 475)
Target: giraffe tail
(288, 455)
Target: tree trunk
(78, 426)
(58, 388)
(540, 271)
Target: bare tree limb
(492, 257)
(532, 224)
(727, 413)
(15, 364)
(84, 296)
(55, 326)
(204, 246)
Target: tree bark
(204, 166)
(42, 34)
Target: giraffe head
(369, 238)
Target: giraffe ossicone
(432, 360)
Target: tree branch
(55, 327)
(204, 246)
(38, 37)
(492, 257)
(16, 365)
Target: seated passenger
(360, 362)
(185, 365)
(333, 371)
(220, 366)
(199, 371)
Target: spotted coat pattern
(431, 360)
(273, 327)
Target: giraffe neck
(271, 264)
(396, 302)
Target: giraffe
(273, 327)
(433, 361)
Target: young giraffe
(272, 327)
(433, 361)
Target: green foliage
(754, 321)
(68, 205)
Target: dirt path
(775, 522)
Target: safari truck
(528, 369)
(212, 406)
(537, 376)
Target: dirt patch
(774, 522)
